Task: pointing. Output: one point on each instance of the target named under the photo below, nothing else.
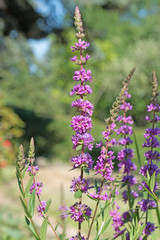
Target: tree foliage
(124, 34)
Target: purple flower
(147, 204)
(125, 141)
(74, 59)
(151, 142)
(81, 90)
(78, 237)
(41, 208)
(128, 166)
(99, 145)
(124, 129)
(131, 180)
(146, 186)
(104, 166)
(85, 107)
(149, 229)
(152, 155)
(153, 107)
(125, 154)
(78, 184)
(82, 75)
(150, 168)
(78, 211)
(117, 222)
(82, 139)
(126, 216)
(38, 186)
(32, 170)
(154, 119)
(132, 194)
(83, 160)
(124, 120)
(81, 124)
(63, 209)
(81, 45)
(126, 106)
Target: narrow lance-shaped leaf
(43, 232)
(31, 206)
(24, 170)
(48, 203)
(152, 182)
(139, 232)
(25, 208)
(27, 189)
(19, 184)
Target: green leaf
(107, 203)
(27, 190)
(31, 206)
(31, 227)
(102, 209)
(24, 170)
(148, 176)
(78, 194)
(79, 147)
(48, 203)
(158, 213)
(105, 225)
(96, 185)
(137, 150)
(18, 174)
(149, 192)
(43, 231)
(152, 182)
(139, 232)
(25, 208)
(86, 170)
(19, 184)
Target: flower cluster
(79, 212)
(117, 221)
(41, 208)
(81, 124)
(38, 186)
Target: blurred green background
(36, 78)
(36, 71)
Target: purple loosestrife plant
(126, 154)
(32, 190)
(82, 125)
(134, 223)
(150, 170)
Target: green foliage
(122, 34)
(12, 227)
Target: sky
(52, 8)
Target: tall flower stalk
(104, 165)
(82, 125)
(150, 170)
